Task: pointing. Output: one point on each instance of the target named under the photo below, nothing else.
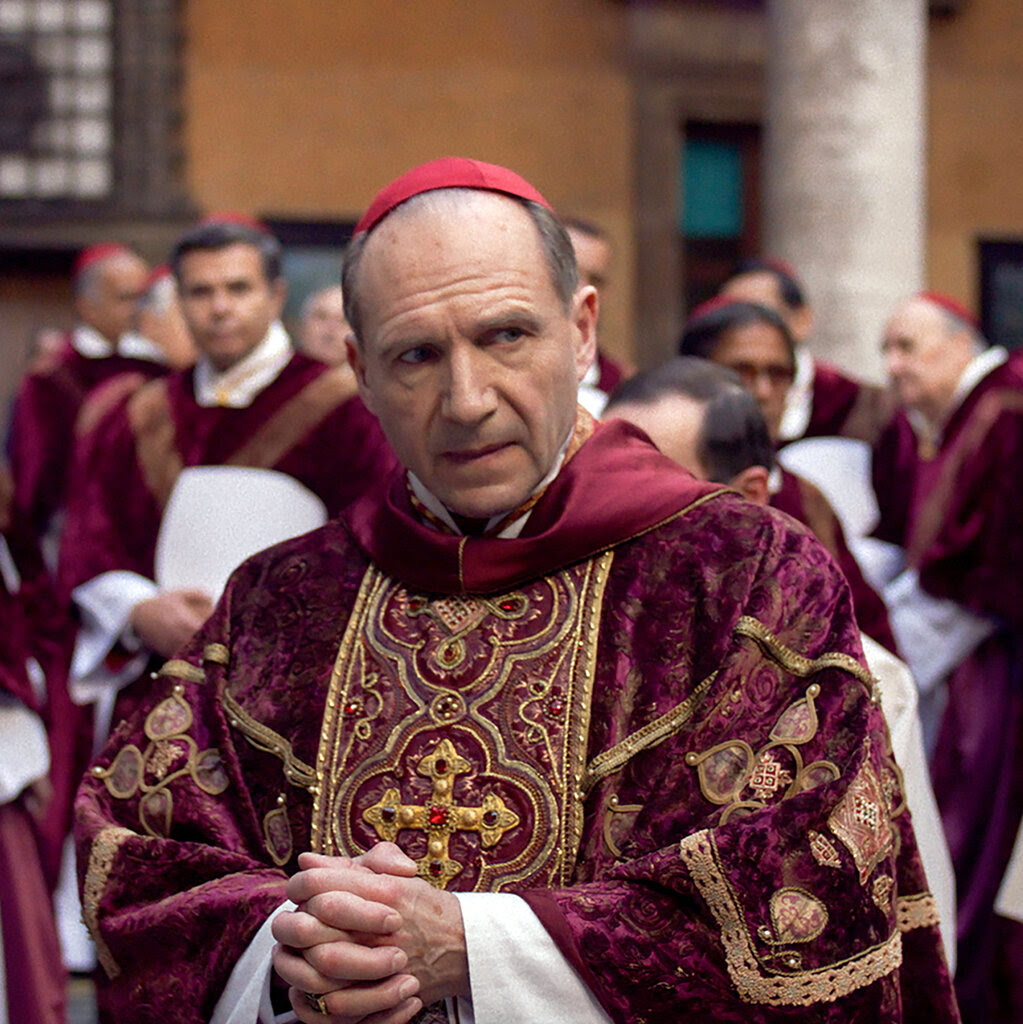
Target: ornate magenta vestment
(648, 715)
(955, 508)
(307, 423)
(42, 429)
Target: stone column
(844, 163)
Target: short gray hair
(554, 240)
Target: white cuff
(516, 972)
(934, 634)
(105, 604)
(25, 754)
(246, 997)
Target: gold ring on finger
(317, 1002)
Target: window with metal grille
(56, 74)
(89, 107)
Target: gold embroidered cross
(442, 817)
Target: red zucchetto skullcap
(156, 275)
(244, 220)
(781, 266)
(713, 305)
(950, 305)
(94, 254)
(448, 172)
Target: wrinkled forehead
(918, 319)
(451, 231)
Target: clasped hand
(376, 942)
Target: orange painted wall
(975, 156)
(304, 109)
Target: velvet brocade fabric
(732, 843)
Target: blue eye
(507, 335)
(415, 356)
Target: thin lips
(469, 454)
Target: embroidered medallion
(470, 750)
(823, 850)
(170, 756)
(723, 770)
(768, 776)
(798, 723)
(861, 821)
(277, 834)
(881, 893)
(797, 916)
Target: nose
(763, 387)
(469, 394)
(220, 302)
(892, 360)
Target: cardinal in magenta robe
(632, 703)
(35, 772)
(108, 279)
(948, 486)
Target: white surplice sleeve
(516, 972)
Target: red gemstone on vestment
(438, 815)
(388, 814)
(353, 707)
(490, 818)
(441, 766)
(436, 868)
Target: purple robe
(804, 502)
(648, 715)
(30, 850)
(307, 423)
(956, 511)
(41, 437)
(845, 407)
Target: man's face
(760, 356)
(324, 327)
(227, 301)
(468, 358)
(107, 304)
(593, 257)
(924, 357)
(674, 423)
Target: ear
(279, 290)
(801, 324)
(358, 365)
(751, 483)
(585, 309)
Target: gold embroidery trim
(217, 653)
(101, 862)
(652, 734)
(180, 669)
(566, 789)
(261, 737)
(795, 663)
(296, 419)
(155, 438)
(802, 988)
(589, 636)
(317, 842)
(918, 911)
